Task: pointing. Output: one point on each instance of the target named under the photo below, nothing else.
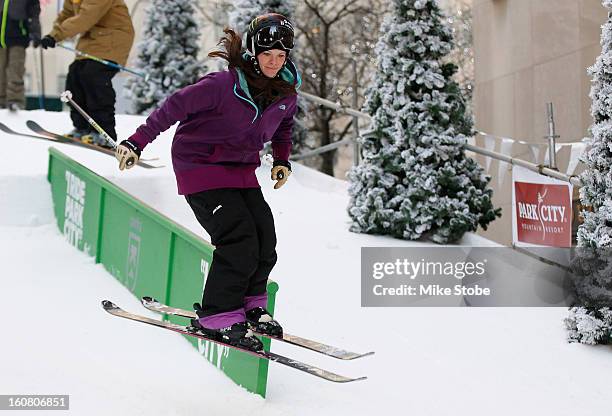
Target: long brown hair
(271, 88)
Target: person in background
(20, 25)
(106, 31)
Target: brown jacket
(105, 27)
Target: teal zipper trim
(3, 30)
(248, 101)
(244, 85)
(298, 83)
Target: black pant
(241, 227)
(92, 89)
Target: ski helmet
(269, 31)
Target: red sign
(543, 214)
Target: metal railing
(547, 171)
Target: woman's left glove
(281, 169)
(127, 153)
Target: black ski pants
(92, 89)
(241, 226)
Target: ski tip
(347, 356)
(349, 380)
(108, 305)
(148, 300)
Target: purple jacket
(221, 131)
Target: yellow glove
(280, 172)
(127, 153)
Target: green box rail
(146, 251)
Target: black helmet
(269, 31)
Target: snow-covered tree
(415, 179)
(589, 326)
(168, 54)
(591, 319)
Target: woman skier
(224, 120)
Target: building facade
(528, 53)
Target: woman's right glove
(127, 153)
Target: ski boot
(77, 133)
(261, 321)
(97, 139)
(237, 335)
(14, 107)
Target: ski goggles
(275, 35)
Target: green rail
(146, 251)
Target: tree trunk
(327, 166)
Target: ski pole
(104, 61)
(66, 97)
(42, 78)
(41, 100)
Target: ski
(61, 139)
(65, 140)
(156, 306)
(113, 309)
(45, 134)
(8, 130)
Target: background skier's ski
(6, 129)
(38, 129)
(113, 309)
(155, 305)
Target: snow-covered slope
(429, 361)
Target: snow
(429, 361)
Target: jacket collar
(288, 73)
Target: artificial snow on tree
(590, 321)
(168, 54)
(589, 326)
(415, 179)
